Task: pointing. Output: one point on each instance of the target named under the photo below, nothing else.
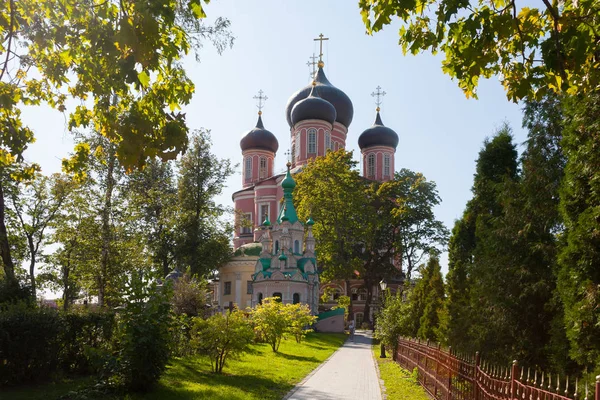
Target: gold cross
(261, 101)
(378, 94)
(320, 39)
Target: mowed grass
(399, 383)
(260, 374)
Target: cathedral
(274, 251)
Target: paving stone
(349, 374)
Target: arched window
(276, 246)
(248, 169)
(297, 144)
(312, 141)
(386, 165)
(277, 296)
(371, 165)
(327, 141)
(263, 167)
(296, 246)
(259, 298)
(294, 153)
(337, 146)
(296, 298)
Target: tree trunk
(367, 312)
(106, 233)
(7, 262)
(31, 265)
(349, 294)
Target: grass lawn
(260, 374)
(399, 383)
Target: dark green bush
(38, 342)
(29, 344)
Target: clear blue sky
(441, 132)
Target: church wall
(244, 203)
(339, 135)
(265, 195)
(238, 272)
(379, 152)
(255, 155)
(286, 288)
(300, 140)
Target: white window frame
(262, 219)
(263, 170)
(328, 141)
(312, 134)
(248, 169)
(371, 167)
(387, 162)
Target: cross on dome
(378, 94)
(261, 101)
(313, 65)
(321, 39)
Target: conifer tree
(579, 278)
(433, 283)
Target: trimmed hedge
(38, 342)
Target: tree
(300, 319)
(392, 320)
(152, 193)
(271, 321)
(533, 50)
(189, 296)
(579, 258)
(36, 205)
(433, 283)
(474, 287)
(418, 232)
(203, 237)
(119, 61)
(222, 337)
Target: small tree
(222, 337)
(271, 321)
(300, 317)
(189, 296)
(392, 320)
(142, 340)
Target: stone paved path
(350, 374)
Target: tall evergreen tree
(579, 279)
(433, 283)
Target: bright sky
(441, 132)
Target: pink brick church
(277, 257)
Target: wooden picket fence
(446, 375)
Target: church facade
(319, 116)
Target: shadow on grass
(187, 381)
(297, 358)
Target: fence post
(597, 395)
(476, 375)
(513, 379)
(437, 369)
(448, 364)
(426, 366)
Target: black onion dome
(259, 138)
(341, 102)
(378, 135)
(313, 107)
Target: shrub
(85, 340)
(271, 321)
(142, 336)
(181, 335)
(299, 319)
(222, 337)
(29, 343)
(189, 296)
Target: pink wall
(337, 134)
(379, 152)
(255, 156)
